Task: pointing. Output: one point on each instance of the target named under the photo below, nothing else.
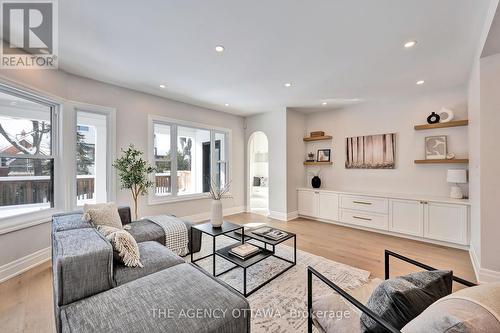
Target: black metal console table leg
(245, 282)
(214, 253)
(191, 245)
(295, 250)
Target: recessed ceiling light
(420, 82)
(219, 48)
(324, 103)
(162, 86)
(411, 43)
(227, 104)
(288, 84)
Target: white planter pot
(216, 217)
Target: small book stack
(244, 251)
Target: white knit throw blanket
(176, 233)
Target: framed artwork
(371, 152)
(324, 155)
(436, 147)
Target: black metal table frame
(213, 254)
(291, 262)
(243, 238)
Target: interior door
(206, 166)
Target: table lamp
(456, 177)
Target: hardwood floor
(26, 300)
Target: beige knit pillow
(103, 214)
(123, 243)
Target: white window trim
(21, 221)
(110, 114)
(152, 119)
(64, 150)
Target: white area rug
(281, 305)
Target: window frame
(110, 114)
(23, 220)
(173, 196)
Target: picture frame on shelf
(436, 147)
(324, 155)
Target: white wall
(474, 104)
(489, 162)
(132, 127)
(391, 116)
(273, 124)
(295, 156)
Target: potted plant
(134, 173)
(217, 193)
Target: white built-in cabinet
(406, 217)
(307, 203)
(432, 220)
(446, 222)
(319, 204)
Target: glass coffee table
(268, 249)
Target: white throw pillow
(103, 214)
(124, 244)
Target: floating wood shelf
(318, 138)
(455, 123)
(318, 163)
(453, 161)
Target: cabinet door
(329, 206)
(406, 217)
(446, 222)
(307, 203)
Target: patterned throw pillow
(403, 298)
(103, 214)
(124, 244)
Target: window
(163, 160)
(200, 157)
(26, 155)
(91, 157)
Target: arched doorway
(258, 174)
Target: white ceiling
(330, 50)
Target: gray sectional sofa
(95, 293)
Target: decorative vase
(433, 118)
(316, 182)
(446, 115)
(216, 215)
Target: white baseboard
(283, 216)
(292, 215)
(23, 264)
(278, 215)
(483, 275)
(206, 215)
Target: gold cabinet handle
(362, 202)
(362, 218)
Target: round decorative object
(446, 115)
(450, 156)
(433, 118)
(316, 182)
